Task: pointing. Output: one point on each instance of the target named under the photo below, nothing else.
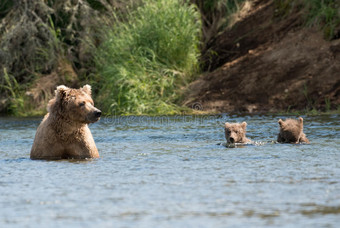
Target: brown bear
(64, 131)
(291, 131)
(236, 133)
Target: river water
(173, 172)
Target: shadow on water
(320, 210)
(25, 159)
(14, 160)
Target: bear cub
(64, 131)
(291, 131)
(236, 133)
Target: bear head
(236, 132)
(74, 105)
(291, 131)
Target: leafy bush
(12, 88)
(147, 58)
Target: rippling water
(171, 172)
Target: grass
(18, 102)
(324, 14)
(146, 60)
(308, 112)
(12, 88)
(149, 54)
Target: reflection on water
(174, 172)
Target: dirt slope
(268, 64)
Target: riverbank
(279, 66)
(255, 56)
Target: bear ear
(87, 89)
(301, 121)
(227, 125)
(244, 125)
(280, 122)
(61, 91)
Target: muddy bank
(266, 64)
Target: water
(171, 172)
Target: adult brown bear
(64, 131)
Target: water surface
(171, 172)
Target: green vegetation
(12, 88)
(18, 101)
(139, 54)
(325, 14)
(146, 60)
(322, 13)
(216, 16)
(5, 6)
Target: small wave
(241, 145)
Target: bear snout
(97, 113)
(232, 140)
(94, 116)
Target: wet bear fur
(236, 133)
(291, 131)
(64, 131)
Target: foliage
(148, 48)
(215, 16)
(12, 88)
(5, 7)
(322, 13)
(146, 59)
(284, 8)
(16, 99)
(35, 36)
